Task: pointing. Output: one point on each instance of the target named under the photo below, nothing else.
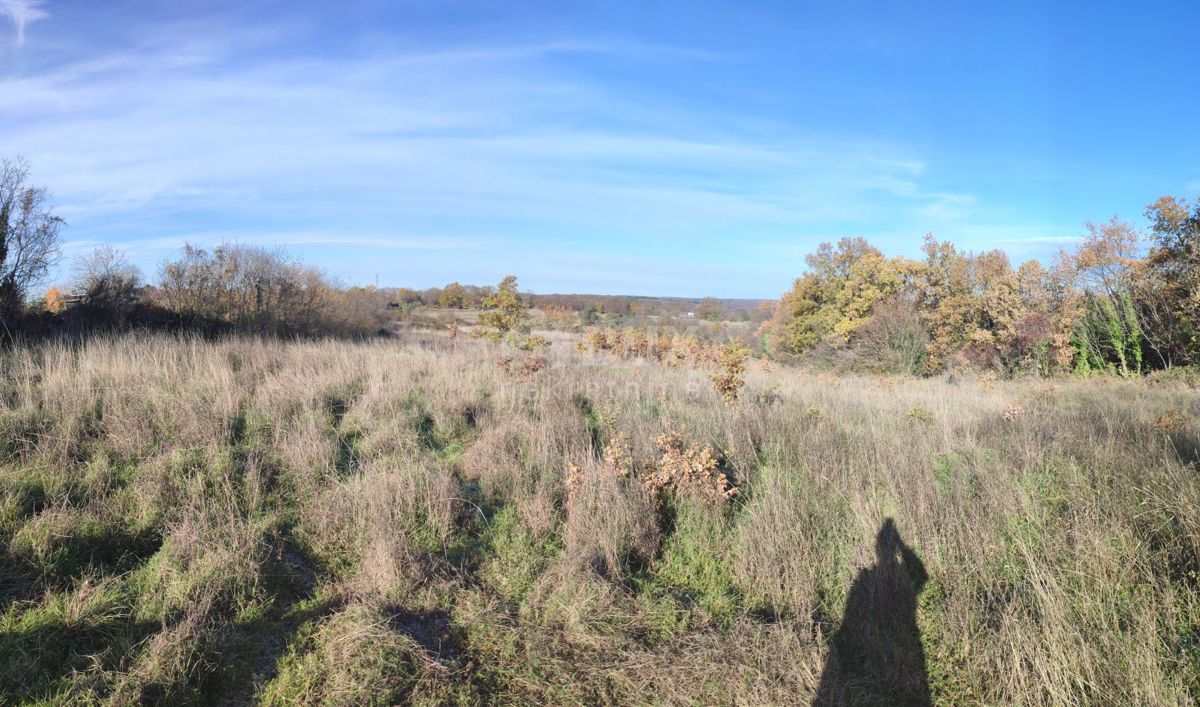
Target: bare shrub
(351, 311)
(265, 291)
(106, 283)
(893, 340)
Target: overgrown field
(428, 521)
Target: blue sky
(644, 148)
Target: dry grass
(335, 523)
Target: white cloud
(126, 133)
(205, 137)
(207, 239)
(21, 13)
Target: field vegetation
(251, 520)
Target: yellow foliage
(55, 302)
(728, 379)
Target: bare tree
(251, 288)
(106, 282)
(28, 234)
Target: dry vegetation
(249, 521)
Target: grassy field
(427, 521)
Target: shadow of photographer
(876, 656)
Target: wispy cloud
(22, 13)
(146, 248)
(205, 137)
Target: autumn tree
(506, 317)
(1120, 302)
(833, 300)
(710, 309)
(1109, 331)
(1173, 263)
(55, 301)
(431, 296)
(973, 307)
(453, 296)
(473, 296)
(405, 295)
(1037, 336)
(946, 299)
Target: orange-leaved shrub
(729, 378)
(687, 467)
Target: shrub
(893, 340)
(728, 379)
(106, 284)
(506, 318)
(685, 467)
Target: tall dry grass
(407, 521)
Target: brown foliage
(686, 467)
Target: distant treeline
(1123, 301)
(228, 288)
(458, 296)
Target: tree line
(228, 288)
(590, 308)
(1124, 301)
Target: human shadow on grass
(875, 656)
